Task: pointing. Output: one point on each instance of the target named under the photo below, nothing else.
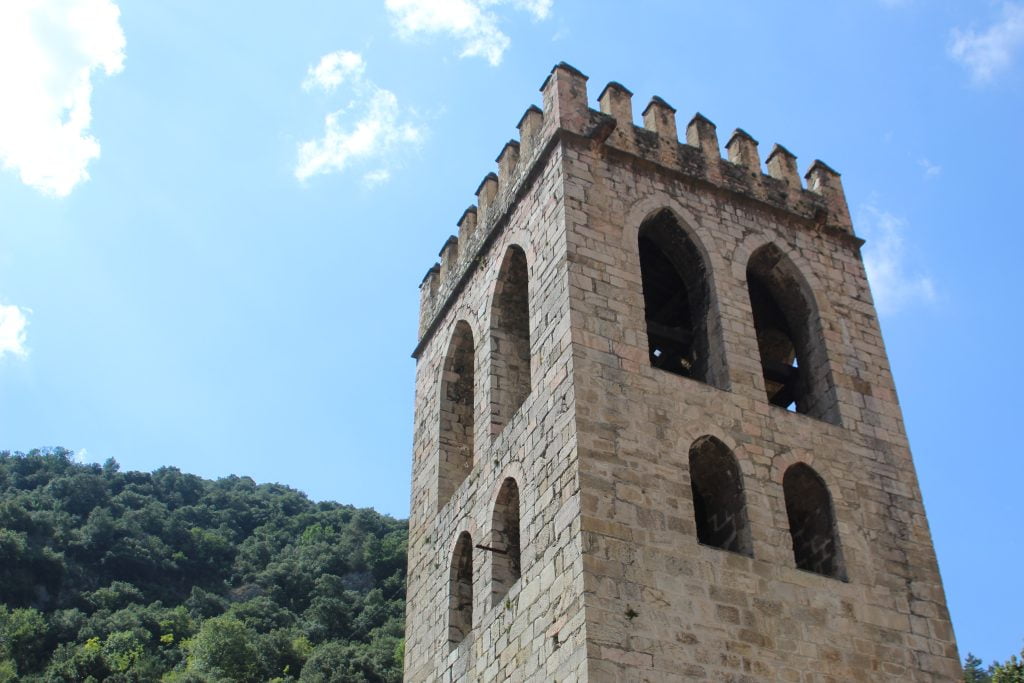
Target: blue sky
(214, 218)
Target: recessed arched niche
(675, 276)
(790, 340)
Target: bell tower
(656, 432)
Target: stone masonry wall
(536, 631)
(660, 606)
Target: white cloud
(81, 454)
(540, 9)
(987, 53)
(930, 170)
(50, 51)
(333, 70)
(376, 177)
(13, 322)
(371, 127)
(472, 22)
(893, 286)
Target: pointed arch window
(456, 413)
(790, 340)
(812, 524)
(719, 503)
(677, 302)
(510, 339)
(505, 541)
(460, 591)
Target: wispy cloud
(991, 51)
(893, 284)
(472, 22)
(930, 170)
(13, 322)
(50, 51)
(371, 127)
(376, 177)
(334, 69)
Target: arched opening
(789, 337)
(719, 505)
(510, 339)
(460, 591)
(456, 414)
(812, 523)
(677, 302)
(505, 547)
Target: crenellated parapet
(507, 161)
(428, 296)
(824, 181)
(742, 150)
(486, 191)
(467, 225)
(566, 114)
(449, 255)
(529, 130)
(782, 166)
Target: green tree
(1010, 671)
(973, 671)
(329, 663)
(23, 638)
(339, 662)
(82, 663)
(281, 655)
(121, 650)
(118, 595)
(262, 614)
(225, 649)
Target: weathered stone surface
(613, 584)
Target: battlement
(566, 115)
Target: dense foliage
(1010, 671)
(134, 576)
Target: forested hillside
(134, 576)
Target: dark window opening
(510, 340)
(789, 337)
(456, 414)
(676, 299)
(505, 548)
(779, 362)
(719, 504)
(811, 522)
(460, 591)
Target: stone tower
(656, 432)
